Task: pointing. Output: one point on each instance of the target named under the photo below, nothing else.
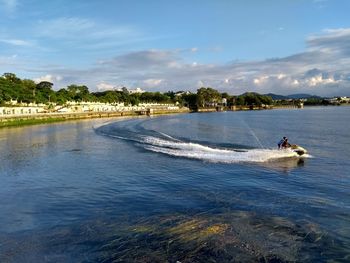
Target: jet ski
(298, 149)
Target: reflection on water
(285, 164)
(20, 146)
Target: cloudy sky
(279, 46)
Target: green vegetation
(12, 87)
(207, 97)
(307, 102)
(316, 101)
(27, 91)
(253, 99)
(22, 122)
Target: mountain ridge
(292, 96)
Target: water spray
(253, 133)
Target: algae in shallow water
(22, 122)
(225, 237)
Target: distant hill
(292, 96)
(303, 96)
(248, 92)
(276, 96)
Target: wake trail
(215, 155)
(163, 143)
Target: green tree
(253, 99)
(189, 100)
(62, 96)
(45, 93)
(11, 77)
(12, 88)
(30, 89)
(240, 101)
(79, 92)
(134, 100)
(207, 97)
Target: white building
(17, 109)
(21, 110)
(337, 100)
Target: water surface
(189, 188)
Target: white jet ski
(298, 149)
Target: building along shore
(16, 114)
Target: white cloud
(49, 78)
(260, 80)
(315, 70)
(281, 76)
(144, 57)
(174, 64)
(17, 42)
(152, 82)
(104, 86)
(337, 32)
(331, 41)
(295, 82)
(319, 80)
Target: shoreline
(46, 118)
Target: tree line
(27, 91)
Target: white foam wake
(205, 153)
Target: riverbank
(12, 121)
(22, 120)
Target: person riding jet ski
(284, 144)
(280, 143)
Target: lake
(201, 187)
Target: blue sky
(285, 47)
